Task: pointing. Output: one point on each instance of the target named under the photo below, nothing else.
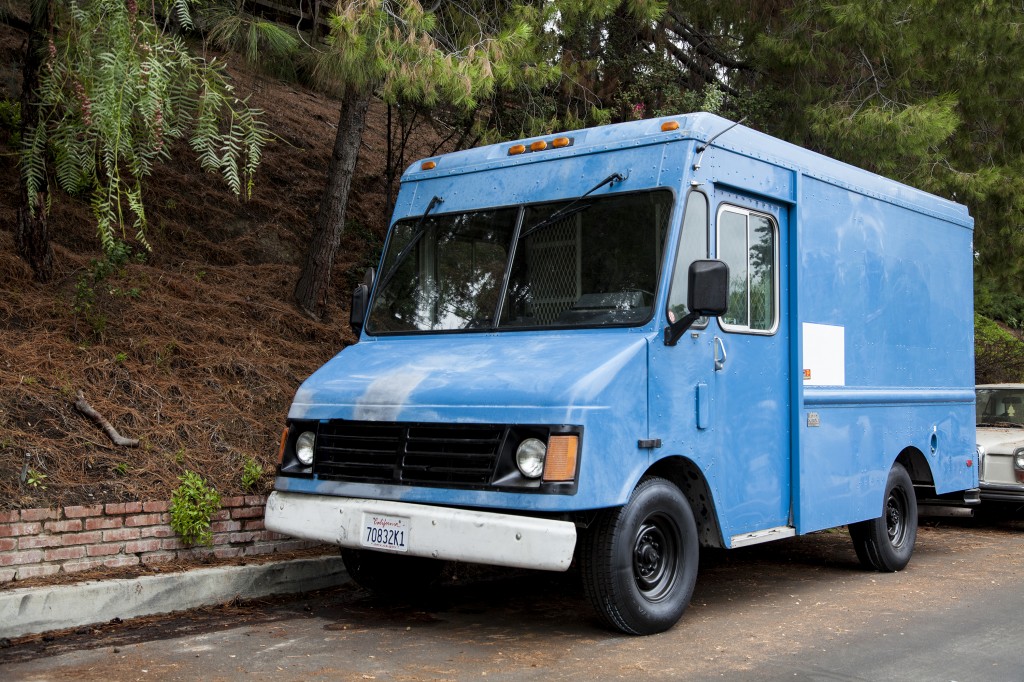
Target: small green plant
(121, 469)
(120, 357)
(252, 472)
(193, 504)
(92, 284)
(10, 119)
(84, 305)
(35, 479)
(179, 456)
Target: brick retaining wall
(42, 542)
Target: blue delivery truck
(617, 345)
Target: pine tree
(398, 50)
(924, 92)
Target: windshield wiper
(418, 231)
(568, 209)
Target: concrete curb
(33, 610)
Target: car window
(1000, 406)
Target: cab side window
(693, 245)
(748, 243)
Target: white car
(1000, 412)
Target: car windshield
(1002, 406)
(597, 265)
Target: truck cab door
(720, 397)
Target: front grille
(451, 454)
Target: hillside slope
(197, 349)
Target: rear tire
(886, 543)
(639, 562)
(391, 574)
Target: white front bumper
(438, 532)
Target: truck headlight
(530, 457)
(305, 446)
(1018, 460)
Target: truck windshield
(468, 271)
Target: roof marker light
(516, 149)
(560, 142)
(669, 126)
(428, 165)
(538, 146)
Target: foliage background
(196, 347)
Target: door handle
(719, 361)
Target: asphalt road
(799, 609)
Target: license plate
(385, 532)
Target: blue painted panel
(899, 283)
(846, 459)
(703, 406)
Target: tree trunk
(314, 282)
(31, 235)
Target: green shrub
(193, 504)
(998, 354)
(252, 472)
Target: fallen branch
(85, 408)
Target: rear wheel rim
(896, 517)
(656, 557)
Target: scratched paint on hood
(421, 379)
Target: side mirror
(708, 288)
(707, 295)
(361, 303)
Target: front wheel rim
(656, 557)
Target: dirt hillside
(196, 349)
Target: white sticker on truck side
(824, 355)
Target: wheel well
(921, 473)
(913, 460)
(689, 479)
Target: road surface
(798, 609)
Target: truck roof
(698, 127)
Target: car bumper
(437, 532)
(1002, 492)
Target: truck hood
(507, 377)
(1000, 440)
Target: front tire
(886, 543)
(392, 575)
(639, 562)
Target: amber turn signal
(560, 464)
(669, 126)
(280, 450)
(428, 165)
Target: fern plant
(193, 504)
(117, 90)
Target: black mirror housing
(361, 303)
(708, 288)
(707, 296)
